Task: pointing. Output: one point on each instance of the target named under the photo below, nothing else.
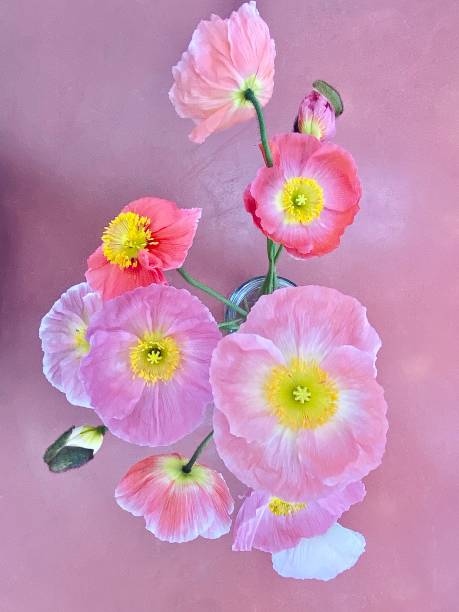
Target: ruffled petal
(177, 507)
(63, 336)
(322, 557)
(242, 362)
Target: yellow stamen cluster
(302, 200)
(124, 237)
(301, 395)
(155, 357)
(279, 507)
(81, 343)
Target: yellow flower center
(250, 82)
(81, 343)
(301, 395)
(302, 200)
(172, 468)
(155, 357)
(124, 237)
(279, 507)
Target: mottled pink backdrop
(86, 126)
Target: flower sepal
(74, 448)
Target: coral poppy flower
(177, 506)
(64, 343)
(147, 372)
(224, 59)
(308, 198)
(322, 557)
(298, 409)
(148, 236)
(316, 117)
(273, 524)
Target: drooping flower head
(177, 506)
(316, 117)
(224, 59)
(308, 198)
(147, 372)
(298, 409)
(64, 343)
(272, 524)
(322, 557)
(149, 236)
(74, 448)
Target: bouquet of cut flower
(298, 415)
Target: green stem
(251, 97)
(187, 467)
(218, 296)
(278, 252)
(230, 324)
(270, 283)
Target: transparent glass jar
(248, 293)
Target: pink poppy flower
(148, 236)
(147, 372)
(63, 340)
(224, 59)
(273, 524)
(308, 198)
(316, 116)
(322, 557)
(177, 506)
(298, 409)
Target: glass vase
(248, 293)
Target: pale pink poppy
(147, 371)
(224, 59)
(177, 506)
(308, 198)
(149, 236)
(272, 524)
(316, 116)
(322, 557)
(298, 409)
(63, 339)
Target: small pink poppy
(298, 411)
(316, 116)
(322, 557)
(224, 59)
(149, 236)
(308, 198)
(177, 506)
(273, 524)
(147, 371)
(64, 342)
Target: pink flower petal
(242, 362)
(256, 526)
(150, 412)
(222, 55)
(177, 507)
(60, 328)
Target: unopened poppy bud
(74, 448)
(316, 116)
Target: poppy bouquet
(290, 375)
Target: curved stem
(251, 97)
(218, 296)
(187, 467)
(270, 283)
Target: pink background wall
(86, 126)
